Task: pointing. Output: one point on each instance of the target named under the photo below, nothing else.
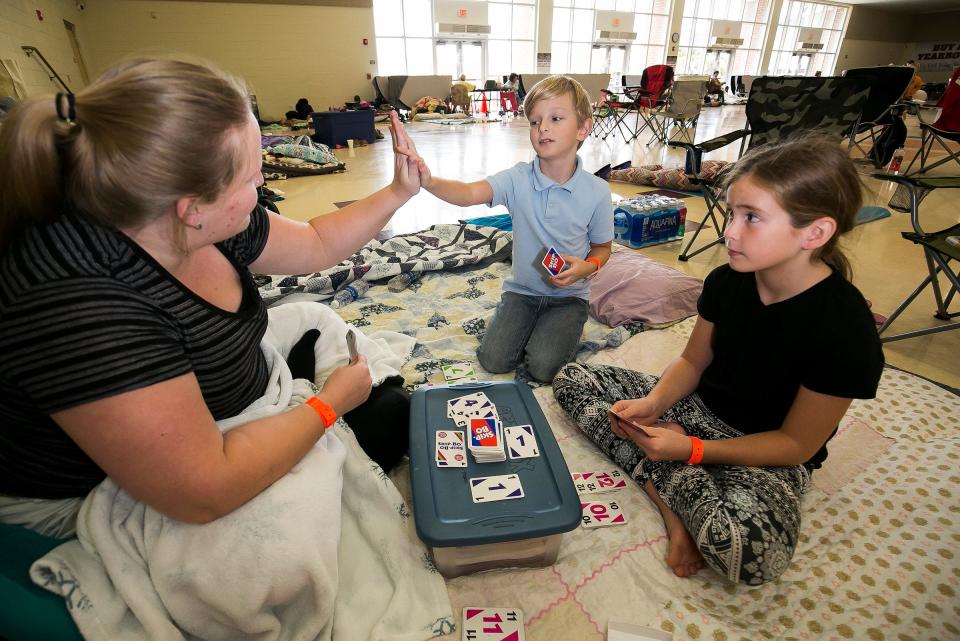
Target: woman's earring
(198, 226)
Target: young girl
(725, 441)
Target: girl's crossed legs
(744, 521)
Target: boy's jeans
(547, 328)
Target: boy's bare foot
(683, 555)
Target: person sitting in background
(513, 84)
(714, 90)
(469, 86)
(301, 112)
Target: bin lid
(443, 508)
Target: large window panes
(574, 48)
(513, 30)
(796, 21)
(404, 31)
(408, 45)
(697, 53)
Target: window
(574, 48)
(697, 54)
(800, 20)
(407, 44)
(513, 31)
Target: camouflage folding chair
(778, 106)
(887, 86)
(939, 249)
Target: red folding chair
(650, 94)
(946, 129)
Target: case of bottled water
(648, 220)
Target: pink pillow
(634, 288)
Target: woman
(129, 320)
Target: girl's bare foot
(683, 556)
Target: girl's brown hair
(145, 133)
(810, 177)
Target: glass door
(460, 57)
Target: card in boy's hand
(486, 489)
(602, 514)
(521, 443)
(553, 262)
(451, 450)
(492, 624)
(597, 482)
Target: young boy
(553, 203)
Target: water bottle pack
(648, 220)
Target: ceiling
(913, 6)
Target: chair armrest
(713, 143)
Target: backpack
(892, 138)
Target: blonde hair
(553, 86)
(810, 177)
(145, 133)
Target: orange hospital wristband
(697, 454)
(595, 261)
(326, 413)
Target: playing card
(617, 631)
(483, 433)
(451, 451)
(553, 262)
(466, 403)
(602, 514)
(597, 482)
(631, 423)
(456, 371)
(492, 624)
(520, 441)
(352, 344)
(486, 489)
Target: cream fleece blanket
(327, 552)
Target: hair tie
(71, 114)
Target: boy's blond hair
(553, 86)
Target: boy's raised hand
(406, 175)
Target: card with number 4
(602, 514)
(492, 624)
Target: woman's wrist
(324, 410)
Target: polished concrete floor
(886, 267)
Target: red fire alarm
(364, 41)
(462, 13)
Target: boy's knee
(493, 362)
(544, 368)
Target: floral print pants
(745, 520)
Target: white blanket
(326, 552)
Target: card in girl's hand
(553, 262)
(602, 514)
(631, 424)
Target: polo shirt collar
(541, 181)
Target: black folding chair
(777, 107)
(939, 249)
(887, 86)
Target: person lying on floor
(726, 440)
(129, 320)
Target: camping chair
(887, 86)
(777, 107)
(946, 128)
(939, 249)
(649, 94)
(682, 109)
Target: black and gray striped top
(85, 314)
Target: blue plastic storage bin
(467, 537)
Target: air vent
(811, 46)
(727, 43)
(452, 27)
(616, 35)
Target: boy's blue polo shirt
(568, 216)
